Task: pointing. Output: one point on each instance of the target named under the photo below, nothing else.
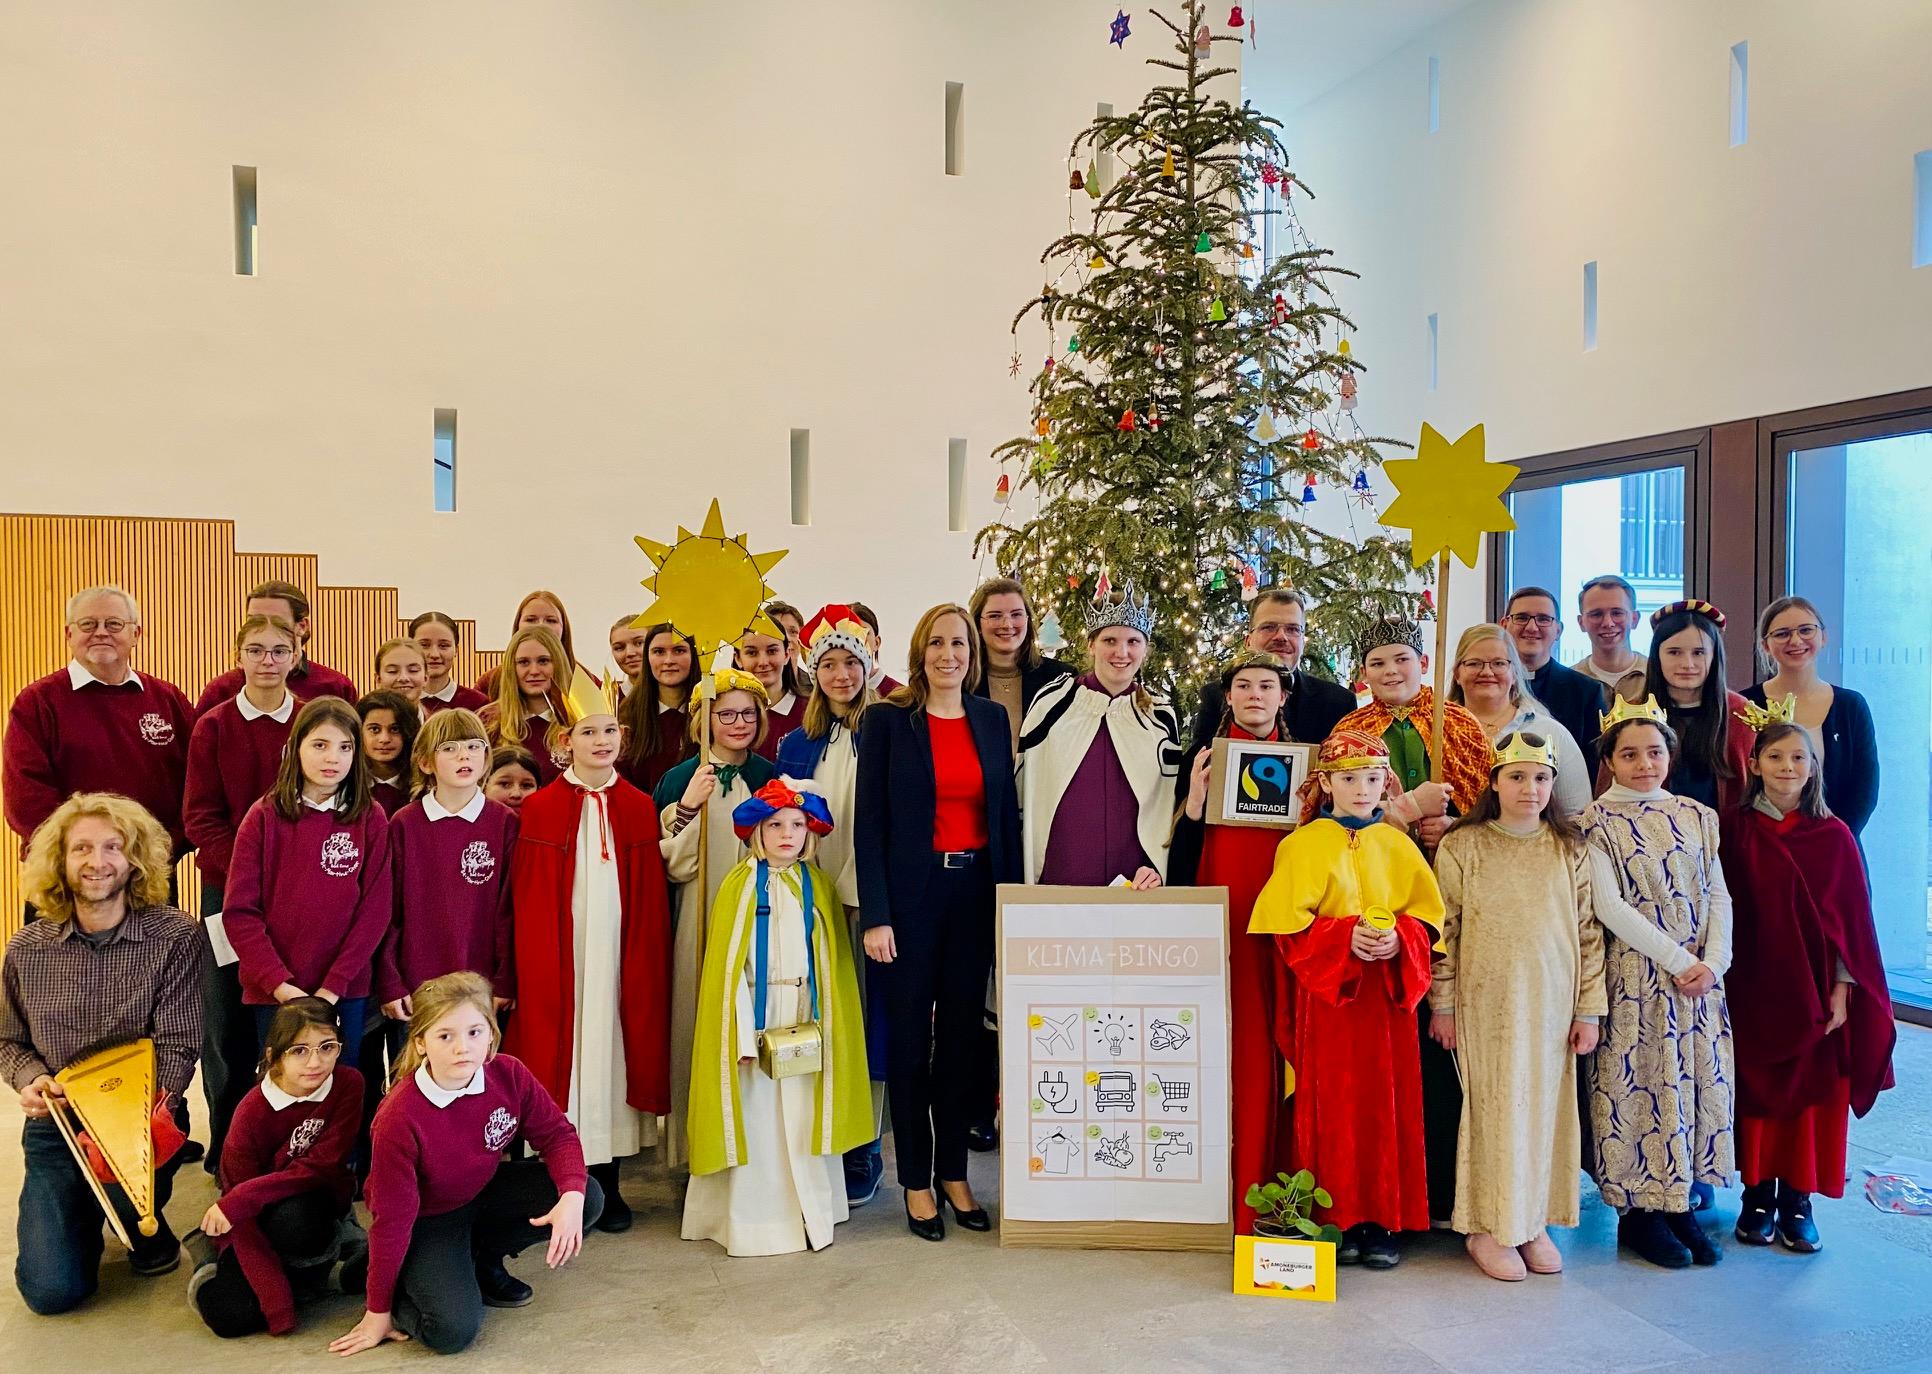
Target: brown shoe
(1541, 1256)
(1494, 1259)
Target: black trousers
(228, 1053)
(1441, 1118)
(936, 1001)
(302, 1230)
(437, 1299)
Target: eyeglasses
(1477, 665)
(462, 746)
(1521, 619)
(328, 1049)
(278, 653)
(744, 717)
(1785, 636)
(88, 626)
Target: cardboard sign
(1114, 1063)
(1265, 1267)
(1255, 782)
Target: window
(801, 477)
(245, 221)
(956, 485)
(955, 128)
(1435, 94)
(1435, 342)
(1589, 307)
(445, 460)
(1740, 93)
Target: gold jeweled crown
(1622, 710)
(1771, 713)
(1517, 748)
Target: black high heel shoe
(927, 1228)
(975, 1220)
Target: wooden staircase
(190, 580)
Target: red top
(425, 1160)
(131, 739)
(307, 679)
(232, 762)
(308, 901)
(959, 788)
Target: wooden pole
(1438, 756)
(703, 914)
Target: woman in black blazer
(936, 829)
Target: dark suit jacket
(1575, 699)
(1314, 706)
(893, 813)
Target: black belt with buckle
(956, 858)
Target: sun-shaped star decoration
(1118, 29)
(709, 585)
(1449, 496)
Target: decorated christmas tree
(1196, 400)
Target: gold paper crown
(1621, 710)
(1516, 748)
(587, 697)
(1771, 713)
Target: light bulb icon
(1116, 1036)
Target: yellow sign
(1268, 1268)
(709, 585)
(1449, 496)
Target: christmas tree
(1197, 396)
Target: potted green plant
(1281, 1207)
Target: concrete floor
(880, 1299)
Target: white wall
(1732, 281)
(633, 243)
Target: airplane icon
(1056, 1033)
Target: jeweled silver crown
(1126, 612)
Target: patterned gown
(1661, 1078)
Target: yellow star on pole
(709, 586)
(1449, 496)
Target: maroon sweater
(232, 762)
(271, 1155)
(466, 697)
(390, 796)
(782, 723)
(127, 739)
(426, 1160)
(452, 908)
(307, 679)
(307, 901)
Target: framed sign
(1265, 1267)
(1114, 1067)
(1255, 782)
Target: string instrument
(115, 1128)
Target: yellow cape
(1325, 869)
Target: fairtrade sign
(1257, 782)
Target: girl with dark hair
(1661, 1095)
(1014, 669)
(512, 776)
(285, 1182)
(402, 668)
(1686, 674)
(308, 895)
(1807, 990)
(390, 722)
(656, 737)
(436, 635)
(1517, 996)
(798, 681)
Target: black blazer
(1575, 699)
(1314, 706)
(893, 814)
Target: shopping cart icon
(1173, 1095)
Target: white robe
(787, 1197)
(1058, 730)
(606, 1124)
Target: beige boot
(1541, 1255)
(1495, 1259)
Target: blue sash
(762, 957)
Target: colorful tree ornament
(1311, 440)
(1117, 31)
(1264, 428)
(1103, 588)
(1270, 174)
(1075, 181)
(1281, 310)
(1217, 311)
(1247, 249)
(1308, 490)
(1092, 182)
(1097, 262)
(1428, 606)
(1167, 165)
(1003, 490)
(1361, 482)
(1013, 364)
(1343, 348)
(1236, 19)
(1050, 636)
(1348, 392)
(1126, 425)
(1250, 583)
(1204, 244)
(1152, 417)
(1218, 581)
(1042, 426)
(1049, 456)
(1073, 343)
(1203, 43)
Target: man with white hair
(96, 725)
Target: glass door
(1571, 528)
(1856, 545)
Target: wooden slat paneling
(190, 581)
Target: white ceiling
(1304, 48)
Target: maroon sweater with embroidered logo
(232, 762)
(307, 901)
(426, 1160)
(307, 679)
(271, 1155)
(467, 698)
(452, 907)
(128, 739)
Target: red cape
(542, 1028)
(1800, 905)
